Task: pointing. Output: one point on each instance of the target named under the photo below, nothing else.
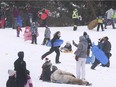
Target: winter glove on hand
(76, 58)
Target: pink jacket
(29, 82)
(27, 34)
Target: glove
(76, 58)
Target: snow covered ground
(10, 45)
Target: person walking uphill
(80, 57)
(57, 35)
(20, 67)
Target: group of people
(51, 73)
(20, 73)
(32, 15)
(108, 19)
(20, 76)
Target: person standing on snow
(106, 49)
(34, 32)
(47, 35)
(109, 16)
(80, 56)
(88, 41)
(57, 35)
(20, 67)
(76, 18)
(100, 23)
(18, 30)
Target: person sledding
(67, 48)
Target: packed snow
(10, 45)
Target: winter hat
(21, 54)
(11, 72)
(106, 38)
(47, 59)
(85, 33)
(82, 38)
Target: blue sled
(90, 60)
(99, 54)
(58, 42)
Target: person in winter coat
(66, 48)
(46, 70)
(18, 30)
(3, 17)
(57, 35)
(106, 49)
(27, 33)
(47, 36)
(44, 16)
(88, 41)
(20, 67)
(80, 57)
(11, 82)
(15, 14)
(109, 16)
(60, 76)
(34, 32)
(29, 80)
(76, 18)
(100, 23)
(100, 46)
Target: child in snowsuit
(29, 81)
(11, 82)
(18, 30)
(67, 47)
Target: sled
(92, 24)
(90, 60)
(99, 54)
(65, 51)
(58, 42)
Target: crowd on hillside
(32, 15)
(20, 75)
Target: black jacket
(20, 67)
(11, 82)
(106, 47)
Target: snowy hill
(10, 45)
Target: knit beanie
(11, 72)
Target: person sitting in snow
(66, 48)
(46, 70)
(11, 82)
(60, 76)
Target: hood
(82, 38)
(21, 55)
(85, 33)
